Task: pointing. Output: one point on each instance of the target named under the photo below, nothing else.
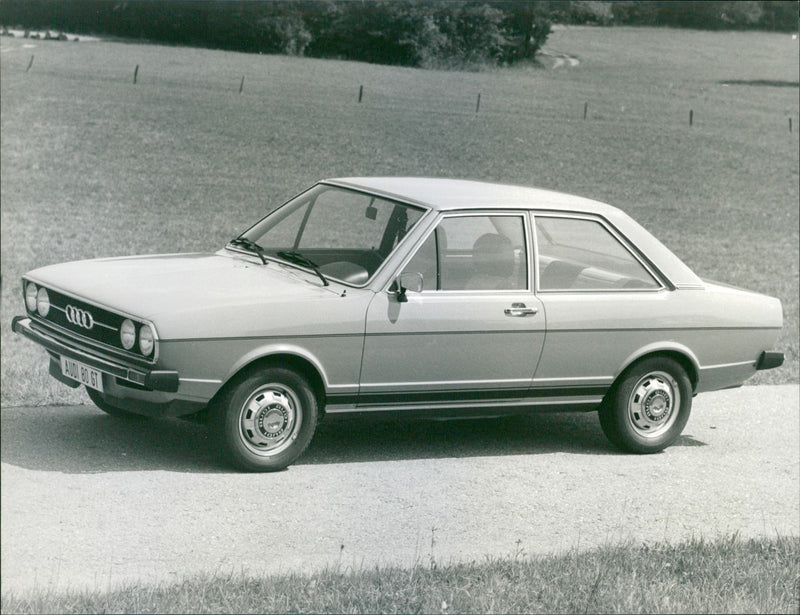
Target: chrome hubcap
(653, 405)
(269, 419)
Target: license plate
(84, 374)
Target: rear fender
(665, 348)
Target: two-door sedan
(405, 295)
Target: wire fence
(272, 78)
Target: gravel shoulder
(91, 502)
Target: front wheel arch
(293, 362)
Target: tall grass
(728, 575)
(93, 165)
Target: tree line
(776, 15)
(425, 33)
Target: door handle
(519, 309)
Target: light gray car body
(378, 346)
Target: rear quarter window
(583, 254)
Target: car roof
(460, 194)
(446, 194)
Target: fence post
(241, 85)
(360, 92)
(691, 117)
(31, 64)
(790, 125)
(585, 109)
(478, 104)
(135, 74)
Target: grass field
(93, 165)
(728, 575)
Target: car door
(475, 330)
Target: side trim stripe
(728, 365)
(411, 397)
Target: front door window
(467, 253)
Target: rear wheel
(100, 401)
(648, 406)
(266, 420)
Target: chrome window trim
(121, 351)
(440, 217)
(629, 247)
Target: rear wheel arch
(687, 364)
(683, 358)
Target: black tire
(265, 420)
(100, 401)
(648, 407)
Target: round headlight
(127, 334)
(146, 340)
(30, 296)
(42, 302)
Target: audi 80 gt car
(412, 296)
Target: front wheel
(648, 407)
(266, 420)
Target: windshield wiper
(298, 259)
(250, 245)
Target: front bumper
(127, 375)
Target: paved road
(88, 501)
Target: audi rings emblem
(79, 317)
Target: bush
(405, 32)
(472, 35)
(589, 12)
(428, 34)
(286, 34)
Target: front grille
(104, 324)
(88, 322)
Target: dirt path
(560, 59)
(88, 501)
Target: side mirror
(406, 282)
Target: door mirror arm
(403, 283)
(397, 291)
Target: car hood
(192, 295)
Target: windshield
(337, 233)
